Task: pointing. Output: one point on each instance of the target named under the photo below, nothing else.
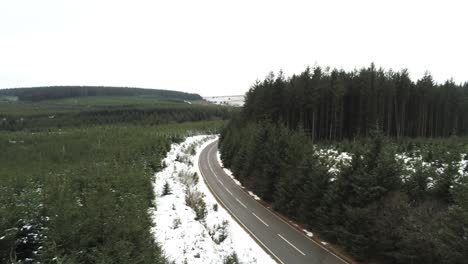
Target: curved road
(282, 241)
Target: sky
(221, 47)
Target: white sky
(222, 47)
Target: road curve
(283, 242)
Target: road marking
(260, 219)
(235, 217)
(220, 182)
(241, 203)
(229, 192)
(291, 244)
(270, 211)
(213, 147)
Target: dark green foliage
(231, 259)
(60, 92)
(166, 189)
(366, 208)
(82, 194)
(80, 112)
(334, 104)
(375, 209)
(200, 210)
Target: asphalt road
(283, 242)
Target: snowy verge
(256, 197)
(203, 232)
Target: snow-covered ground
(210, 239)
(233, 100)
(336, 161)
(410, 162)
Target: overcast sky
(222, 47)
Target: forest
(101, 110)
(76, 175)
(61, 92)
(334, 104)
(369, 160)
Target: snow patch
(183, 238)
(410, 161)
(335, 161)
(254, 196)
(308, 233)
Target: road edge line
(247, 230)
(343, 259)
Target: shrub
(231, 259)
(166, 189)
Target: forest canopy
(60, 92)
(368, 160)
(334, 104)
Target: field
(75, 175)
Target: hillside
(102, 109)
(60, 92)
(76, 173)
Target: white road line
(260, 219)
(227, 190)
(291, 244)
(270, 212)
(277, 217)
(220, 182)
(241, 203)
(235, 217)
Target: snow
(184, 239)
(409, 162)
(26, 227)
(232, 100)
(324, 243)
(462, 165)
(230, 174)
(218, 155)
(254, 196)
(308, 233)
(334, 160)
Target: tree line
(155, 115)
(61, 92)
(335, 104)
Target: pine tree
(166, 189)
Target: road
(282, 241)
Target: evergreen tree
(166, 189)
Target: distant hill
(61, 92)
